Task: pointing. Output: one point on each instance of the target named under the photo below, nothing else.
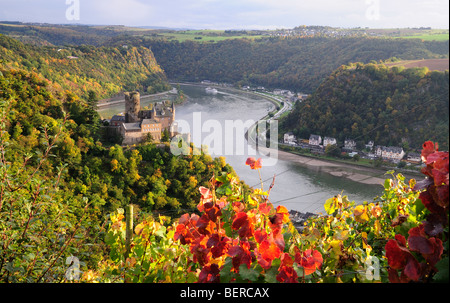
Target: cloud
(126, 12)
(226, 14)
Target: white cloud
(126, 12)
(223, 14)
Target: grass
(429, 37)
(431, 64)
(204, 35)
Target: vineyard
(239, 236)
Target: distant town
(318, 145)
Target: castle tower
(132, 106)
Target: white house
(315, 140)
(414, 158)
(289, 138)
(392, 153)
(349, 144)
(369, 145)
(329, 141)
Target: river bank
(353, 172)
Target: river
(299, 185)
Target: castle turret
(132, 106)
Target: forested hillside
(59, 179)
(296, 64)
(396, 106)
(78, 69)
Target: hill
(298, 64)
(104, 70)
(392, 106)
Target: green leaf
(248, 274)
(161, 232)
(387, 183)
(442, 274)
(271, 275)
(225, 272)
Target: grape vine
(239, 236)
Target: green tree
(165, 137)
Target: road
(121, 99)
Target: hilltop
(297, 59)
(78, 69)
(370, 102)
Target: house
(329, 141)
(349, 144)
(302, 96)
(289, 138)
(392, 153)
(414, 158)
(369, 145)
(352, 154)
(315, 140)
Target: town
(330, 146)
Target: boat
(210, 90)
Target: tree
(165, 136)
(149, 138)
(332, 151)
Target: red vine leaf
(435, 256)
(264, 208)
(310, 260)
(260, 235)
(201, 253)
(427, 149)
(218, 244)
(418, 241)
(209, 274)
(205, 192)
(268, 250)
(396, 254)
(242, 223)
(240, 255)
(205, 226)
(429, 202)
(412, 269)
(287, 275)
(254, 164)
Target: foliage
(238, 236)
(41, 226)
(391, 107)
(154, 255)
(420, 257)
(80, 69)
(58, 180)
(296, 64)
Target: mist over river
(299, 185)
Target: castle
(135, 125)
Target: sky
(232, 14)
